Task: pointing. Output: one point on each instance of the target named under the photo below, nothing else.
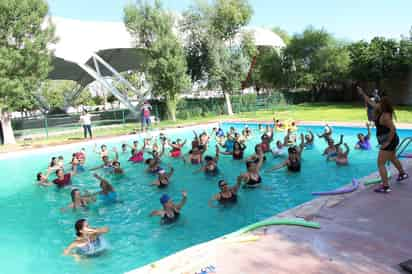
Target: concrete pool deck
(361, 232)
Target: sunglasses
(222, 185)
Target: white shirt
(85, 119)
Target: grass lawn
(302, 112)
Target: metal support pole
(109, 87)
(46, 126)
(117, 74)
(123, 118)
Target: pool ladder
(403, 146)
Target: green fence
(43, 126)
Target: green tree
(380, 59)
(283, 34)
(84, 98)
(212, 51)
(268, 69)
(152, 27)
(24, 58)
(315, 60)
(60, 94)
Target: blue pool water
(33, 231)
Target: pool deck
(361, 232)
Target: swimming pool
(34, 232)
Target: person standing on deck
(145, 112)
(86, 121)
(388, 140)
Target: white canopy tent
(89, 51)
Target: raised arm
(74, 171)
(366, 97)
(260, 162)
(116, 154)
(183, 201)
(340, 140)
(369, 130)
(196, 136)
(236, 187)
(312, 136)
(172, 170)
(286, 139)
(271, 133)
(302, 144)
(162, 151)
(347, 149)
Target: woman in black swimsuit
(388, 140)
(237, 152)
(170, 212)
(227, 194)
(164, 178)
(252, 177)
(293, 163)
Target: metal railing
(403, 146)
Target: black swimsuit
(294, 166)
(163, 185)
(254, 182)
(225, 200)
(382, 134)
(238, 155)
(168, 220)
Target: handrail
(403, 145)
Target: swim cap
(164, 199)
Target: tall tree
(212, 50)
(268, 69)
(315, 60)
(58, 94)
(153, 27)
(380, 59)
(24, 58)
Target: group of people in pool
(231, 143)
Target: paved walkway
(361, 232)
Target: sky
(346, 19)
